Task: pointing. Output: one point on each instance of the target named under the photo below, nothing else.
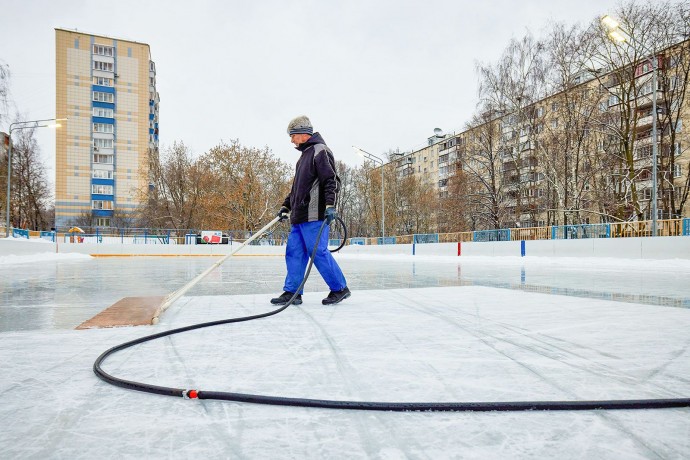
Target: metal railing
(668, 227)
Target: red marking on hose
(192, 394)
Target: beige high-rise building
(106, 89)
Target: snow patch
(41, 257)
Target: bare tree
(562, 130)
(626, 81)
(493, 189)
(511, 87)
(173, 193)
(674, 78)
(245, 186)
(30, 194)
(4, 90)
(351, 204)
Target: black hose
(357, 405)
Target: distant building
(572, 143)
(106, 88)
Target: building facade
(106, 89)
(582, 155)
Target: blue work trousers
(300, 244)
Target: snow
(25, 240)
(13, 259)
(414, 330)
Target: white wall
(12, 247)
(668, 247)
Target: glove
(283, 213)
(330, 214)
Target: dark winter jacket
(316, 183)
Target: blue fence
(491, 235)
(422, 238)
(278, 238)
(574, 232)
(50, 236)
(19, 233)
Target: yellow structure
(106, 89)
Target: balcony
(644, 122)
(646, 99)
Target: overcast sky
(376, 74)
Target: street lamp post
(376, 159)
(619, 34)
(16, 127)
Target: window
(102, 81)
(677, 191)
(647, 194)
(103, 97)
(643, 152)
(103, 128)
(676, 148)
(102, 112)
(102, 159)
(102, 189)
(554, 106)
(674, 82)
(675, 60)
(677, 170)
(103, 222)
(540, 111)
(103, 144)
(103, 50)
(613, 100)
(105, 66)
(101, 204)
(102, 174)
(554, 123)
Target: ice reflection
(62, 294)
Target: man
(311, 200)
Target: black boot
(285, 297)
(336, 296)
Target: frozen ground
(415, 329)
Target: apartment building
(582, 155)
(106, 89)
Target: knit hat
(300, 125)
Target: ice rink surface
(415, 329)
